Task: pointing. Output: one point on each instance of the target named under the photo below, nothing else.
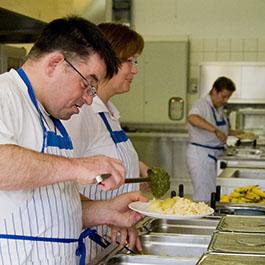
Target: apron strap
(117, 136)
(212, 157)
(208, 146)
(220, 122)
(64, 141)
(81, 249)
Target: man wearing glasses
(41, 215)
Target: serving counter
(212, 240)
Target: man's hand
(112, 212)
(124, 236)
(220, 135)
(87, 168)
(119, 211)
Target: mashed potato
(179, 206)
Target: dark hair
(222, 83)
(124, 41)
(75, 37)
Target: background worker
(208, 129)
(97, 130)
(40, 207)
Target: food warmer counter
(233, 177)
(242, 158)
(165, 242)
(212, 240)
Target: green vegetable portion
(159, 181)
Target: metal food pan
(249, 173)
(175, 245)
(244, 224)
(246, 209)
(252, 243)
(201, 226)
(149, 260)
(229, 258)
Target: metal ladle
(159, 181)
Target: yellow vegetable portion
(247, 194)
(179, 206)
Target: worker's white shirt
(201, 161)
(51, 211)
(91, 137)
(202, 107)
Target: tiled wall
(208, 50)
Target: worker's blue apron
(63, 146)
(218, 123)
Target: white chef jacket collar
(208, 98)
(99, 106)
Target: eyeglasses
(91, 89)
(133, 61)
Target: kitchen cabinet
(162, 75)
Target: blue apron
(117, 136)
(218, 123)
(63, 141)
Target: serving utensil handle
(102, 177)
(137, 180)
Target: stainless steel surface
(249, 173)
(237, 243)
(163, 149)
(233, 177)
(244, 173)
(175, 245)
(243, 153)
(181, 238)
(240, 209)
(149, 260)
(231, 259)
(242, 224)
(176, 108)
(241, 158)
(201, 226)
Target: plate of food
(175, 208)
(247, 136)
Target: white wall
(201, 18)
(218, 30)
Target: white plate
(143, 208)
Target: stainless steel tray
(203, 226)
(249, 173)
(250, 224)
(237, 243)
(247, 209)
(149, 260)
(231, 259)
(175, 245)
